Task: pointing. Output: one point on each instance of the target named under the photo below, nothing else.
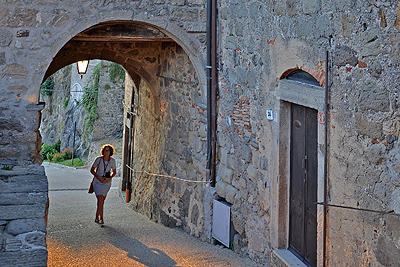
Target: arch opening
(168, 130)
(302, 76)
(301, 106)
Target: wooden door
(303, 184)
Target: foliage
(77, 162)
(47, 87)
(65, 103)
(89, 101)
(48, 151)
(49, 155)
(66, 153)
(6, 167)
(57, 157)
(116, 72)
(57, 145)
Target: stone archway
(138, 47)
(170, 126)
(36, 32)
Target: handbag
(91, 190)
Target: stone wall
(109, 106)
(64, 108)
(183, 112)
(23, 214)
(53, 115)
(33, 33)
(170, 140)
(20, 141)
(260, 43)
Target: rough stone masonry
(260, 42)
(23, 206)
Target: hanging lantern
(82, 67)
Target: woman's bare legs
(100, 207)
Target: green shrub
(47, 150)
(50, 155)
(57, 157)
(57, 145)
(67, 153)
(6, 168)
(47, 87)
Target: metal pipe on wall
(130, 150)
(214, 85)
(326, 157)
(211, 89)
(208, 70)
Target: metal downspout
(208, 70)
(214, 84)
(129, 161)
(326, 158)
(211, 89)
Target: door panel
(312, 167)
(297, 175)
(303, 183)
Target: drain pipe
(211, 89)
(129, 163)
(214, 84)
(326, 158)
(208, 72)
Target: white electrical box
(270, 115)
(222, 227)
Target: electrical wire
(127, 109)
(359, 209)
(58, 90)
(167, 176)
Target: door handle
(304, 163)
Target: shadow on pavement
(136, 250)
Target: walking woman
(103, 169)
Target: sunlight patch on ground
(103, 254)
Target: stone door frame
(310, 96)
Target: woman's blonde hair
(111, 149)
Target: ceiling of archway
(121, 31)
(131, 44)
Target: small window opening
(302, 76)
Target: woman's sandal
(101, 221)
(96, 220)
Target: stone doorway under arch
(300, 93)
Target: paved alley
(126, 239)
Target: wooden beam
(122, 32)
(119, 39)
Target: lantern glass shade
(82, 66)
